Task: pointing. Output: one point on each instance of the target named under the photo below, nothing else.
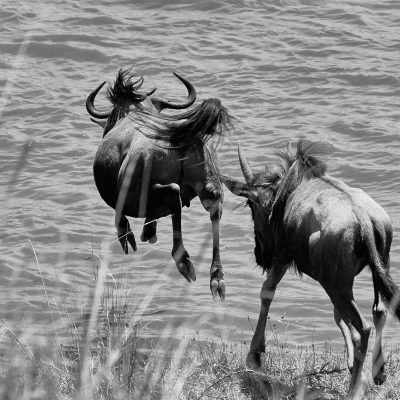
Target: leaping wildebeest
(323, 228)
(150, 164)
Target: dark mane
(125, 90)
(305, 162)
(180, 130)
(292, 167)
(209, 119)
(295, 167)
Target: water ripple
(285, 69)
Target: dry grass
(105, 359)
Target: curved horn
(90, 104)
(101, 123)
(244, 165)
(161, 103)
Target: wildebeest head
(260, 190)
(267, 192)
(126, 92)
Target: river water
(322, 70)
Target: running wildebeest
(323, 228)
(151, 164)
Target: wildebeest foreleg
(125, 235)
(275, 274)
(171, 196)
(217, 283)
(149, 233)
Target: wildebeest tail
(208, 119)
(383, 282)
(389, 291)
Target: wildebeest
(150, 164)
(315, 223)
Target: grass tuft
(107, 358)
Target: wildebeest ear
(236, 187)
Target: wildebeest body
(149, 165)
(126, 150)
(306, 219)
(333, 222)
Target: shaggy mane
(209, 119)
(125, 89)
(303, 164)
(294, 166)
(195, 125)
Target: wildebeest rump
(150, 164)
(309, 220)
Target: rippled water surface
(324, 70)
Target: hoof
(217, 287)
(253, 360)
(185, 267)
(125, 238)
(152, 239)
(380, 379)
(358, 391)
(149, 232)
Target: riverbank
(107, 360)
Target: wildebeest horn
(101, 123)
(90, 104)
(161, 103)
(244, 165)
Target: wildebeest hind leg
(379, 314)
(347, 338)
(149, 233)
(217, 283)
(125, 235)
(171, 196)
(360, 332)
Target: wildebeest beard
(263, 257)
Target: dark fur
(124, 93)
(180, 130)
(279, 181)
(208, 119)
(124, 89)
(328, 230)
(145, 178)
